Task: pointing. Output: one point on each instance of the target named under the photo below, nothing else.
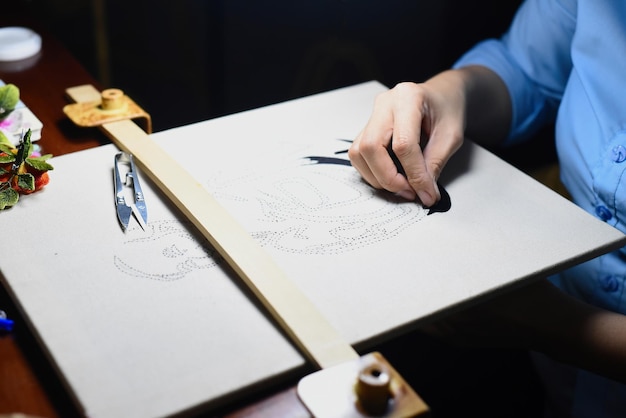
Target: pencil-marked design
(321, 210)
(178, 252)
(302, 205)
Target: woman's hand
(423, 125)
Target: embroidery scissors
(138, 208)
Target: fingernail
(426, 199)
(406, 194)
(437, 192)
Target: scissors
(138, 208)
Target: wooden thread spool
(373, 389)
(112, 99)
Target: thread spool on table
(112, 99)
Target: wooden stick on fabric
(295, 314)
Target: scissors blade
(140, 202)
(123, 210)
(123, 214)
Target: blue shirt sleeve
(533, 59)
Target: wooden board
(316, 339)
(144, 324)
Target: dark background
(189, 60)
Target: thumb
(440, 147)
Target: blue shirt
(565, 60)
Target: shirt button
(610, 284)
(603, 213)
(619, 154)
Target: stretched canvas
(152, 322)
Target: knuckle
(386, 183)
(402, 144)
(419, 181)
(353, 152)
(436, 166)
(367, 147)
(408, 88)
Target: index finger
(405, 144)
(369, 153)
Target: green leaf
(7, 148)
(28, 145)
(4, 141)
(24, 148)
(39, 163)
(9, 96)
(8, 198)
(9, 158)
(26, 181)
